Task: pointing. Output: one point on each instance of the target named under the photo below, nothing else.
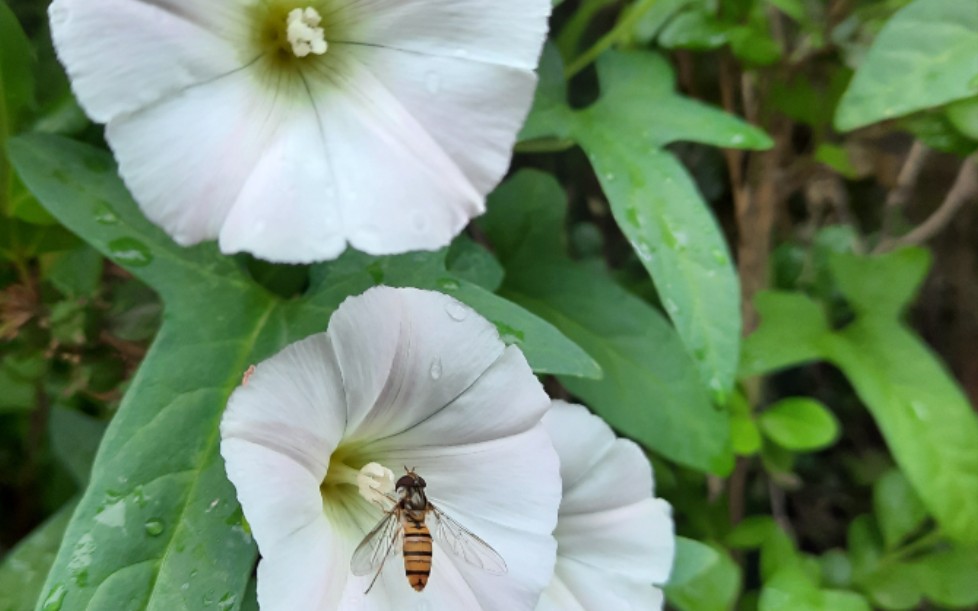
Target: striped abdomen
(417, 552)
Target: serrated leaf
(923, 57)
(799, 423)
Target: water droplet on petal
(456, 311)
(154, 527)
(435, 369)
(128, 251)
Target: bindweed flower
(401, 378)
(289, 128)
(614, 538)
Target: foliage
(699, 240)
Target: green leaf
(790, 334)
(924, 416)
(159, 526)
(653, 199)
(76, 272)
(24, 568)
(693, 560)
(897, 507)
(948, 577)
(650, 387)
(791, 588)
(923, 57)
(16, 75)
(926, 419)
(712, 590)
(800, 424)
(656, 203)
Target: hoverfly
(406, 528)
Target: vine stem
(623, 27)
(965, 188)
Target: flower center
(303, 32)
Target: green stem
(621, 29)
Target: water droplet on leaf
(447, 284)
(55, 598)
(104, 214)
(128, 251)
(154, 527)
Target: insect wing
(462, 543)
(379, 543)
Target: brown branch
(964, 189)
(898, 197)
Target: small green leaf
(800, 424)
(791, 331)
(898, 509)
(923, 57)
(711, 590)
(744, 435)
(693, 559)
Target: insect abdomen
(417, 554)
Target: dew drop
(644, 252)
(719, 256)
(737, 139)
(448, 284)
(610, 177)
(456, 311)
(227, 602)
(104, 215)
(55, 598)
(671, 307)
(154, 527)
(128, 251)
(509, 335)
(432, 82)
(435, 369)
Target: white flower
(402, 377)
(614, 538)
(289, 128)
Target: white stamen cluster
(376, 482)
(304, 33)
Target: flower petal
(404, 354)
(504, 32)
(599, 471)
(505, 400)
(473, 110)
(279, 495)
(398, 188)
(307, 571)
(187, 158)
(123, 55)
(635, 541)
(579, 587)
(291, 404)
(611, 530)
(504, 491)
